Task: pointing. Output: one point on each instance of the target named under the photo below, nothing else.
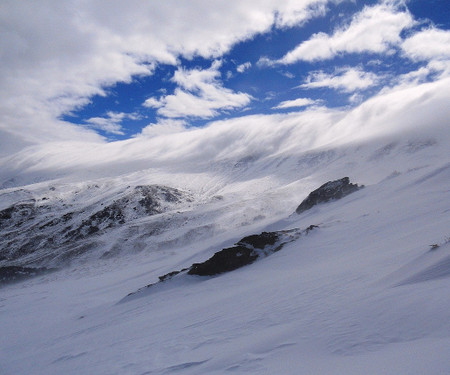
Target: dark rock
(63, 219)
(41, 231)
(6, 214)
(224, 261)
(17, 214)
(10, 274)
(310, 228)
(151, 195)
(260, 241)
(332, 190)
(168, 275)
(246, 251)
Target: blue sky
(101, 70)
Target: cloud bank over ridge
(61, 57)
(57, 55)
(401, 111)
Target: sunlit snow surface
(362, 294)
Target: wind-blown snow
(403, 109)
(363, 293)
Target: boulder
(260, 241)
(224, 261)
(332, 190)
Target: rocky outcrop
(47, 231)
(260, 241)
(246, 251)
(225, 260)
(332, 190)
(140, 202)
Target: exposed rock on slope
(245, 252)
(331, 190)
(140, 202)
(37, 231)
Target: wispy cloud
(243, 67)
(200, 94)
(111, 123)
(346, 80)
(300, 102)
(287, 74)
(431, 46)
(375, 29)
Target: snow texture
(364, 293)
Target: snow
(363, 293)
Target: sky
(104, 71)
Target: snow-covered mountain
(351, 285)
(67, 223)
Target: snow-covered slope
(68, 224)
(365, 292)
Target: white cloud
(287, 74)
(400, 110)
(375, 29)
(56, 55)
(300, 102)
(440, 66)
(265, 61)
(199, 94)
(346, 80)
(419, 106)
(414, 77)
(163, 127)
(112, 122)
(152, 103)
(243, 67)
(295, 12)
(270, 95)
(430, 44)
(434, 70)
(356, 98)
(105, 124)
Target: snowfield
(365, 293)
